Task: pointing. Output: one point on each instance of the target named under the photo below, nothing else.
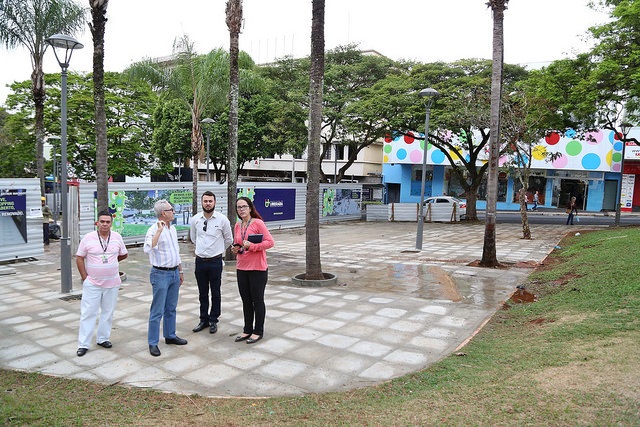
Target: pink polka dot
(502, 160)
(561, 161)
(594, 138)
(416, 156)
(615, 167)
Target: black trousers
(251, 285)
(209, 278)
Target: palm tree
(313, 265)
(99, 20)
(199, 82)
(234, 23)
(28, 23)
(489, 258)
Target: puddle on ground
(423, 281)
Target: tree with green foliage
(18, 158)
(460, 118)
(128, 119)
(28, 23)
(200, 82)
(171, 132)
(525, 120)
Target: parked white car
(444, 209)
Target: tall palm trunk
(314, 267)
(99, 20)
(489, 258)
(234, 23)
(37, 89)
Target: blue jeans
(209, 277)
(166, 287)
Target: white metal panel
(404, 211)
(16, 249)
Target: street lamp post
(429, 95)
(55, 187)
(625, 128)
(208, 121)
(179, 153)
(64, 44)
(335, 161)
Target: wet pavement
(393, 311)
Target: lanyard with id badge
(105, 257)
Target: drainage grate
(76, 297)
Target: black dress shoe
(242, 338)
(200, 326)
(254, 340)
(154, 350)
(105, 344)
(213, 328)
(81, 352)
(177, 341)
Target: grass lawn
(571, 358)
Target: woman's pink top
(255, 258)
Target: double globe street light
(63, 47)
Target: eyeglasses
(169, 210)
(243, 207)
(205, 226)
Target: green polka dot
(574, 148)
(616, 157)
(388, 148)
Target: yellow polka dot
(609, 157)
(385, 159)
(539, 152)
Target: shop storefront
(587, 168)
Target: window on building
(328, 149)
(536, 183)
(502, 188)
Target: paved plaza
(393, 311)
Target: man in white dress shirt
(211, 232)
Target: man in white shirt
(211, 232)
(161, 243)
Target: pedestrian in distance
(46, 219)
(251, 241)
(166, 277)
(211, 233)
(536, 199)
(572, 210)
(98, 261)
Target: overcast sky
(536, 31)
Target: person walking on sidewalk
(161, 243)
(97, 259)
(536, 198)
(251, 241)
(46, 218)
(572, 210)
(211, 233)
